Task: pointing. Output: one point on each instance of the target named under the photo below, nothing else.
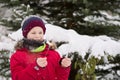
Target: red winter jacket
(23, 66)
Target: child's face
(36, 33)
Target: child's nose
(38, 35)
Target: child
(33, 59)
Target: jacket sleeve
(20, 72)
(62, 73)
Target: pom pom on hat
(30, 22)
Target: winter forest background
(88, 31)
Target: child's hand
(42, 62)
(66, 62)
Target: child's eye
(33, 33)
(40, 32)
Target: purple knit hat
(29, 22)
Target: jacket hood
(20, 44)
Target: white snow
(98, 45)
(112, 19)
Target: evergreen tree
(18, 15)
(71, 14)
(4, 63)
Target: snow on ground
(98, 45)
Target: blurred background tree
(72, 14)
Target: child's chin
(38, 40)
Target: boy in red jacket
(33, 59)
